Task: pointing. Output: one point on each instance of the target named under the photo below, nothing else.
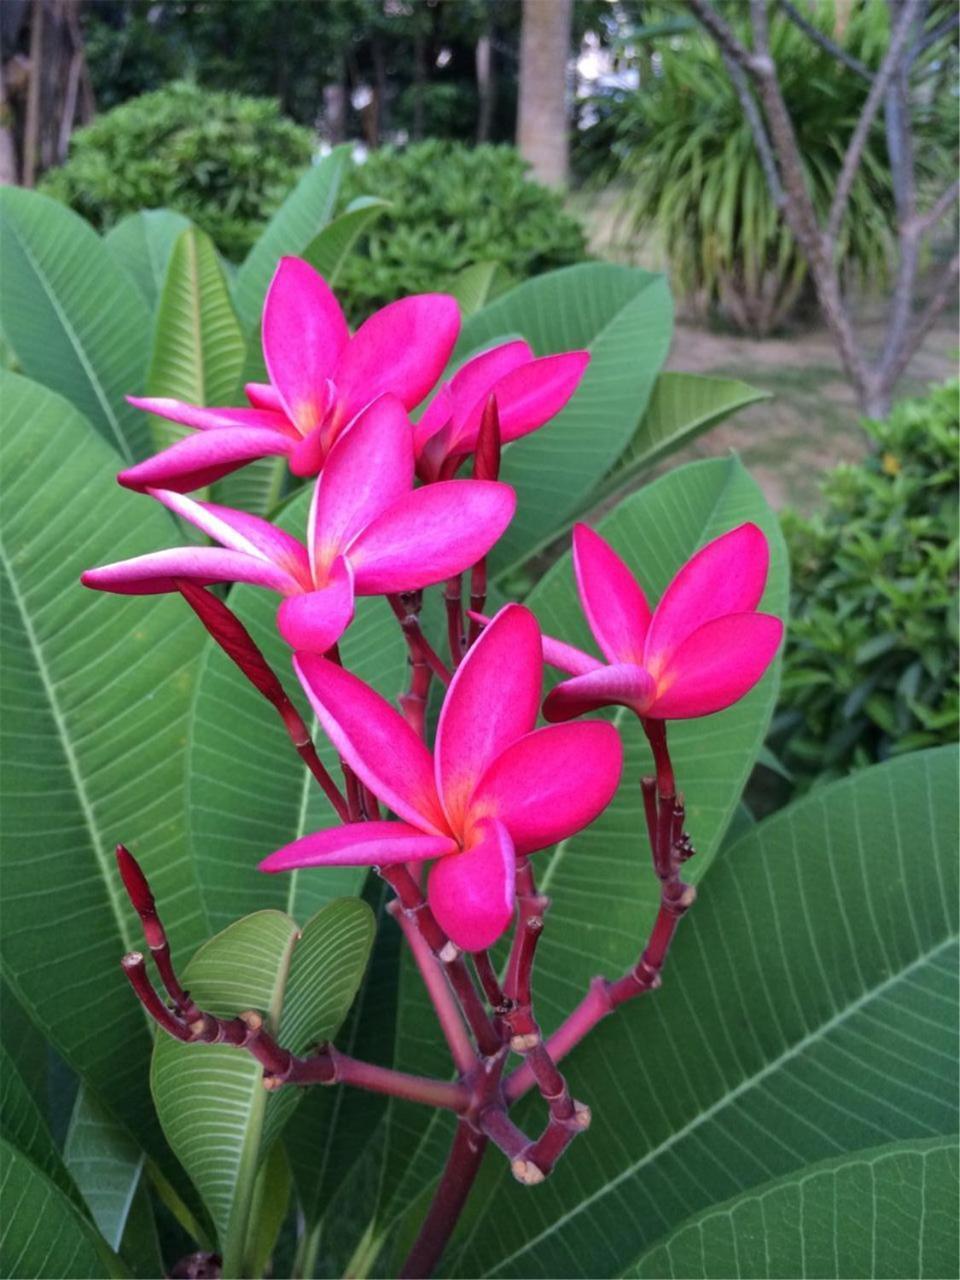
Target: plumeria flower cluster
(390, 516)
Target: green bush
(453, 205)
(685, 153)
(224, 160)
(871, 662)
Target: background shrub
(224, 160)
(685, 152)
(453, 205)
(871, 662)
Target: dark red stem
(413, 902)
(463, 1165)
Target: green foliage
(810, 1011)
(897, 1202)
(453, 206)
(685, 152)
(871, 667)
(806, 1014)
(224, 160)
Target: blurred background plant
(871, 660)
(453, 206)
(682, 151)
(224, 160)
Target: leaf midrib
(122, 445)
(73, 764)
(746, 1085)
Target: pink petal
(431, 534)
(304, 336)
(492, 700)
(568, 658)
(726, 576)
(556, 653)
(263, 396)
(375, 740)
(551, 783)
(716, 666)
(201, 459)
(402, 348)
(359, 844)
(433, 419)
(368, 469)
(612, 599)
(472, 893)
(624, 685)
(531, 395)
(307, 455)
(156, 572)
(195, 415)
(472, 383)
(315, 620)
(240, 531)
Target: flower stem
(438, 989)
(423, 660)
(452, 599)
(463, 1165)
(415, 905)
(670, 847)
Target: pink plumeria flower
(320, 379)
(369, 533)
(494, 788)
(528, 392)
(702, 648)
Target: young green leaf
(142, 244)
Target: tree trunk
(486, 85)
(542, 114)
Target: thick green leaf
(601, 881)
(291, 229)
(249, 793)
(271, 1199)
(809, 1009)
(105, 1164)
(329, 249)
(142, 244)
(891, 1211)
(198, 345)
(24, 1127)
(140, 1246)
(682, 406)
(72, 315)
(95, 694)
(216, 1114)
(334, 1126)
(44, 1236)
(624, 316)
(475, 285)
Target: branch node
(524, 1043)
(527, 1172)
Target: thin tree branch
(878, 89)
(930, 219)
(824, 41)
(754, 118)
(724, 36)
(946, 293)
